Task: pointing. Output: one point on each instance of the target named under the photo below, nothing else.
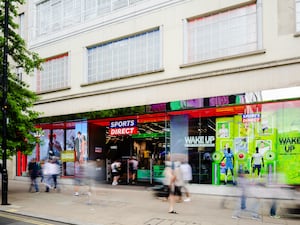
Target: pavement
(137, 205)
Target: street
(131, 205)
(13, 219)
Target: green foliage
(20, 99)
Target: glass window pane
(54, 74)
(223, 34)
(136, 54)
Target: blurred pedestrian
(55, 167)
(173, 180)
(116, 172)
(133, 167)
(50, 171)
(179, 182)
(186, 170)
(34, 171)
(42, 163)
(90, 176)
(242, 184)
(250, 193)
(78, 177)
(275, 185)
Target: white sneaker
(235, 217)
(76, 194)
(256, 217)
(275, 217)
(187, 200)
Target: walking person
(186, 170)
(50, 171)
(276, 182)
(34, 171)
(242, 184)
(173, 180)
(133, 167)
(78, 177)
(47, 175)
(55, 170)
(115, 171)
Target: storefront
(196, 130)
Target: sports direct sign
(253, 117)
(122, 127)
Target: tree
(20, 99)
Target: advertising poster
(223, 129)
(266, 126)
(288, 141)
(224, 140)
(243, 135)
(263, 146)
(224, 133)
(246, 129)
(80, 142)
(241, 144)
(44, 144)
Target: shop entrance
(201, 146)
(149, 147)
(201, 163)
(149, 152)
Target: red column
(37, 152)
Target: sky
(282, 93)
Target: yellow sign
(68, 156)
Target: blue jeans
(34, 183)
(243, 202)
(273, 208)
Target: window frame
(64, 80)
(297, 17)
(259, 35)
(110, 50)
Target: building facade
(150, 78)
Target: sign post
(4, 107)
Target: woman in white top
(115, 171)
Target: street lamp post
(4, 106)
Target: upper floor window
(54, 75)
(136, 54)
(223, 34)
(21, 25)
(297, 15)
(55, 15)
